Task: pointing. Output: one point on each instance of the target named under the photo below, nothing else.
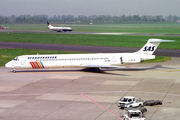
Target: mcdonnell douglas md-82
(95, 61)
(58, 29)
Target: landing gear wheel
(97, 69)
(14, 71)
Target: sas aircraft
(58, 29)
(95, 61)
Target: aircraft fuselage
(73, 60)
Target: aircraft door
(113, 59)
(22, 60)
(121, 61)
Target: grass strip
(88, 39)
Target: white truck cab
(134, 114)
(129, 101)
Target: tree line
(93, 19)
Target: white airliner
(96, 61)
(58, 29)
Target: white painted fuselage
(58, 29)
(97, 60)
(74, 60)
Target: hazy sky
(89, 7)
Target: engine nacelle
(131, 60)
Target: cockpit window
(124, 99)
(16, 59)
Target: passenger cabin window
(129, 100)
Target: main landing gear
(13, 70)
(96, 69)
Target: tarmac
(79, 94)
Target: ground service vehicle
(152, 102)
(135, 113)
(129, 101)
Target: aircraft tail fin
(151, 45)
(48, 24)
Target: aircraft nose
(8, 65)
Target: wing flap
(101, 66)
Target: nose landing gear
(13, 70)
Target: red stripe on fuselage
(38, 65)
(32, 64)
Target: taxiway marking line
(101, 106)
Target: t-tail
(149, 48)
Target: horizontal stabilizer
(160, 40)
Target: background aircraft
(58, 29)
(95, 61)
(1, 27)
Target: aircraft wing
(101, 66)
(59, 30)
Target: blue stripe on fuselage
(42, 64)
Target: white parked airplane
(58, 29)
(96, 61)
